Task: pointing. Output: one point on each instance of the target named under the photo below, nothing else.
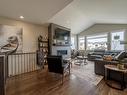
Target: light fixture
(21, 17)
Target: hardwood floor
(44, 83)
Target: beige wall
(104, 28)
(30, 33)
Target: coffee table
(81, 60)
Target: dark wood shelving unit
(43, 46)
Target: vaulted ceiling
(35, 11)
(75, 14)
(81, 14)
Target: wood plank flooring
(44, 83)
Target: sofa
(99, 54)
(99, 68)
(92, 55)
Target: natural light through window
(97, 42)
(72, 43)
(116, 38)
(82, 43)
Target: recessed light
(22, 17)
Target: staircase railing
(20, 63)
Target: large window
(97, 42)
(81, 43)
(116, 38)
(72, 43)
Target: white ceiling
(35, 11)
(81, 14)
(77, 15)
(73, 18)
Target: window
(116, 38)
(97, 42)
(72, 43)
(82, 43)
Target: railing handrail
(23, 53)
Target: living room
(63, 47)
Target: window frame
(83, 37)
(111, 39)
(73, 44)
(92, 37)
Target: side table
(122, 72)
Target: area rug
(86, 72)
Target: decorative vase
(120, 66)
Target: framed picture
(10, 38)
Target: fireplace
(59, 40)
(61, 52)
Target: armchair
(57, 65)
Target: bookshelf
(43, 46)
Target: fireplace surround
(65, 51)
(59, 40)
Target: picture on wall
(10, 39)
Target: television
(62, 37)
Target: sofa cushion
(121, 55)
